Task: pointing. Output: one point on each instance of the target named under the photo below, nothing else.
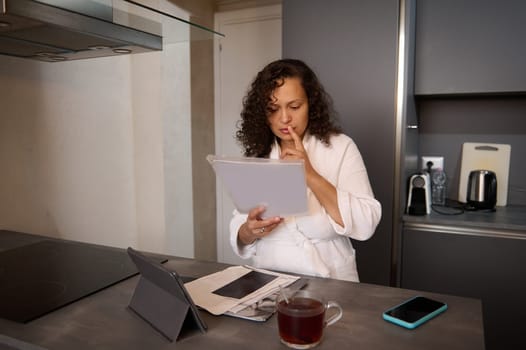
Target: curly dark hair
(254, 133)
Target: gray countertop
(103, 321)
(508, 218)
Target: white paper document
(202, 290)
(279, 185)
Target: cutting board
(487, 156)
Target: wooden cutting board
(486, 156)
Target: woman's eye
(294, 107)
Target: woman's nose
(285, 116)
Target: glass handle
(336, 316)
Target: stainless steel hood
(61, 30)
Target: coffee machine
(419, 196)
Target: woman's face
(289, 107)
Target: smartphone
(415, 311)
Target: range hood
(61, 30)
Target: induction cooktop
(38, 278)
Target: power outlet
(438, 163)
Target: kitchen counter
(509, 219)
(103, 321)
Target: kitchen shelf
(510, 219)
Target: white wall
(96, 150)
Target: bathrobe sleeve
(245, 251)
(359, 209)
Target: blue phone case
(412, 325)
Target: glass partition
(111, 150)
(141, 15)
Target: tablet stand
(161, 300)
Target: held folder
(279, 185)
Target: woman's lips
(285, 130)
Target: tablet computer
(279, 185)
(162, 299)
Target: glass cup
(302, 318)
(438, 187)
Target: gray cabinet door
(492, 269)
(352, 46)
(470, 46)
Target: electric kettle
(482, 190)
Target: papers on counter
(279, 185)
(204, 291)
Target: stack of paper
(210, 292)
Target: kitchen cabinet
(472, 261)
(353, 47)
(470, 47)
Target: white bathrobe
(314, 244)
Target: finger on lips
(296, 138)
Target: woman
(287, 115)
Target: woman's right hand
(255, 227)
